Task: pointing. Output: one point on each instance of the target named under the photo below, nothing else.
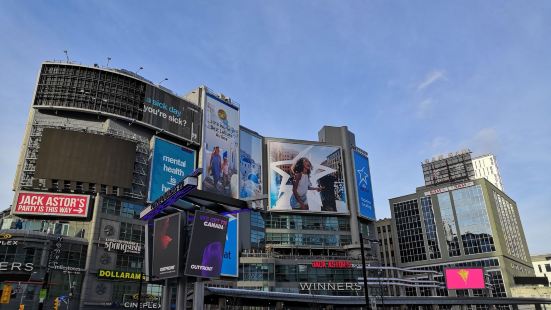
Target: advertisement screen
(220, 147)
(206, 249)
(50, 204)
(306, 178)
(171, 113)
(166, 247)
(169, 165)
(464, 278)
(250, 165)
(230, 261)
(85, 157)
(366, 207)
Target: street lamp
(165, 79)
(140, 68)
(364, 270)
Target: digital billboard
(52, 204)
(85, 157)
(220, 147)
(230, 260)
(206, 248)
(464, 278)
(306, 178)
(171, 113)
(166, 247)
(366, 207)
(250, 165)
(170, 163)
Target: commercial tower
(84, 175)
(458, 220)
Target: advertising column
(166, 247)
(220, 147)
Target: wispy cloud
(431, 78)
(424, 108)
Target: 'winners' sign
(52, 204)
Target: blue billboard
(230, 260)
(170, 163)
(366, 207)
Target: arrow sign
(52, 204)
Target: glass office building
(464, 223)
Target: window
(548, 267)
(410, 232)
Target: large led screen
(366, 207)
(306, 178)
(171, 113)
(206, 248)
(230, 261)
(464, 278)
(85, 157)
(166, 247)
(250, 165)
(220, 147)
(170, 163)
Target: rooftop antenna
(66, 55)
(140, 68)
(165, 79)
(108, 60)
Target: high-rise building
(485, 166)
(84, 175)
(458, 221)
(542, 265)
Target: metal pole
(140, 287)
(364, 271)
(381, 288)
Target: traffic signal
(56, 303)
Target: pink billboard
(464, 278)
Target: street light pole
(364, 271)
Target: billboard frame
(209, 93)
(466, 288)
(268, 141)
(152, 147)
(361, 153)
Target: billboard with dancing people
(306, 178)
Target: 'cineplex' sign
(119, 275)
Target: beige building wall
(485, 166)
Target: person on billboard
(225, 170)
(215, 166)
(301, 184)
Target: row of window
(307, 222)
(308, 239)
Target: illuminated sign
(119, 275)
(9, 242)
(6, 294)
(464, 278)
(5, 236)
(337, 264)
(344, 286)
(448, 188)
(50, 204)
(16, 266)
(76, 270)
(123, 246)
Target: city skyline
(411, 82)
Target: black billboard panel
(166, 247)
(206, 249)
(85, 157)
(171, 113)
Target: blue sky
(411, 79)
